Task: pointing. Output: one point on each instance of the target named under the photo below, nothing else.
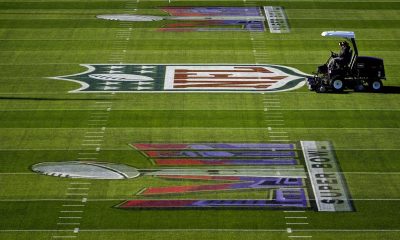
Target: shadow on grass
(391, 90)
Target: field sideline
(41, 121)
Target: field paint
(93, 140)
(76, 194)
(202, 230)
(224, 109)
(91, 136)
(300, 236)
(70, 217)
(124, 149)
(124, 199)
(71, 236)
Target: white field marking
(279, 136)
(94, 132)
(298, 236)
(70, 217)
(338, 109)
(225, 109)
(276, 124)
(92, 136)
(97, 120)
(342, 128)
(76, 194)
(90, 158)
(202, 230)
(296, 223)
(296, 217)
(73, 205)
(278, 132)
(274, 120)
(67, 236)
(66, 211)
(93, 140)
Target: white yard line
(202, 230)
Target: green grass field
(41, 121)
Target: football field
(205, 118)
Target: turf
(41, 121)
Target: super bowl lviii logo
(303, 176)
(184, 78)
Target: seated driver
(342, 58)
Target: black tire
(320, 89)
(359, 88)
(337, 85)
(310, 86)
(375, 85)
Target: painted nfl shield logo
(186, 78)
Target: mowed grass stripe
(101, 215)
(204, 118)
(179, 44)
(212, 234)
(168, 118)
(119, 138)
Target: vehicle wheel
(321, 89)
(310, 87)
(359, 88)
(375, 85)
(337, 85)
